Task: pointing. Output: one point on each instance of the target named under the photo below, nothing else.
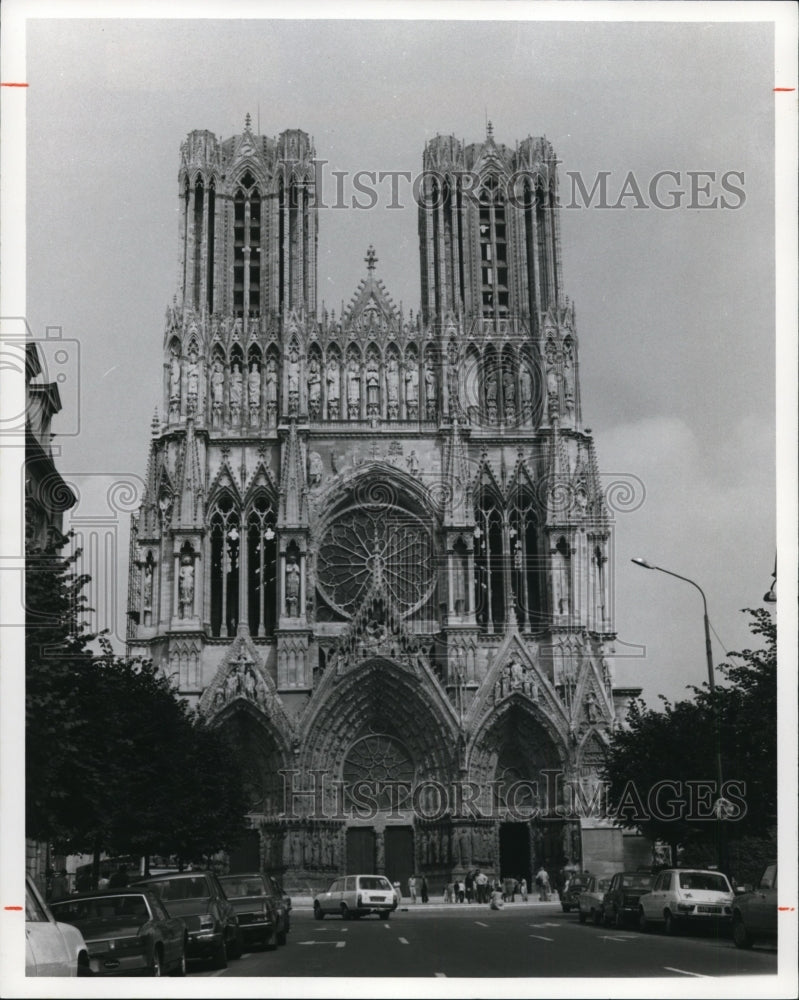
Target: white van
(353, 896)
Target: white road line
(480, 923)
(338, 944)
(611, 937)
(683, 972)
(245, 955)
(403, 940)
(541, 938)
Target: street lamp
(770, 597)
(720, 804)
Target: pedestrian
(120, 878)
(469, 886)
(523, 889)
(449, 892)
(423, 889)
(398, 892)
(481, 881)
(542, 881)
(412, 888)
(497, 900)
(460, 892)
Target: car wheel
(282, 936)
(582, 916)
(385, 914)
(606, 918)
(643, 923)
(596, 916)
(155, 968)
(345, 912)
(618, 920)
(180, 968)
(318, 912)
(219, 961)
(740, 935)
(669, 923)
(236, 948)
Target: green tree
(660, 769)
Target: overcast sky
(675, 309)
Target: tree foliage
(116, 760)
(661, 768)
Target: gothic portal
(374, 545)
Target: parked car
(589, 902)
(51, 948)
(754, 914)
(681, 896)
(621, 899)
(211, 921)
(570, 893)
(260, 907)
(353, 896)
(127, 932)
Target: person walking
(469, 886)
(412, 888)
(542, 881)
(481, 881)
(423, 889)
(523, 889)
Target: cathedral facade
(374, 546)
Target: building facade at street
(375, 545)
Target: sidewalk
(305, 902)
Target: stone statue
(192, 380)
(315, 469)
(452, 379)
(333, 389)
(413, 463)
(516, 672)
(292, 587)
(392, 387)
(353, 388)
(314, 388)
(217, 387)
(431, 390)
(509, 394)
(491, 395)
(525, 390)
(592, 708)
(372, 386)
(186, 586)
(254, 392)
(411, 387)
(294, 378)
(148, 585)
(174, 379)
(271, 390)
(236, 388)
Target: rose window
(379, 766)
(376, 543)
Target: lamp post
(720, 803)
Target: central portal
(361, 854)
(399, 855)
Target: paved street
(522, 940)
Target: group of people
(417, 886)
(477, 887)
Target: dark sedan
(199, 899)
(260, 906)
(127, 932)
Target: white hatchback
(353, 896)
(682, 896)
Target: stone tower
(375, 546)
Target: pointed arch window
(225, 537)
(262, 567)
(493, 236)
(488, 564)
(525, 558)
(247, 247)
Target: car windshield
(114, 908)
(707, 881)
(194, 887)
(638, 881)
(237, 886)
(370, 882)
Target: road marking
(403, 940)
(551, 925)
(683, 972)
(338, 944)
(541, 938)
(611, 937)
(480, 923)
(219, 972)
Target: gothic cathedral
(374, 545)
